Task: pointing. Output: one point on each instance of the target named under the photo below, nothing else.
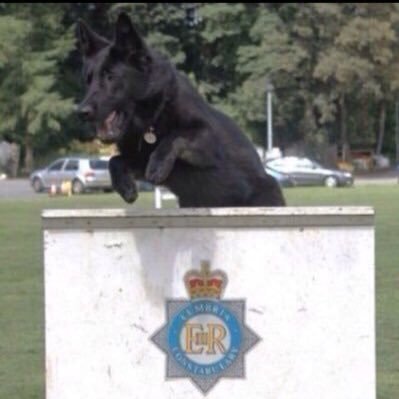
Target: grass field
(21, 281)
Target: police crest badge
(205, 338)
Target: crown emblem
(204, 283)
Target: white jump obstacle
(229, 303)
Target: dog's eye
(89, 77)
(108, 76)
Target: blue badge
(205, 338)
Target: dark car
(306, 172)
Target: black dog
(165, 132)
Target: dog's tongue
(110, 119)
(105, 131)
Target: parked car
(88, 173)
(306, 172)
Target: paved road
(20, 188)
(378, 177)
(364, 181)
(15, 189)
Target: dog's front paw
(122, 179)
(129, 194)
(157, 172)
(126, 188)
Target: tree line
(334, 68)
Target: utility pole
(269, 139)
(397, 131)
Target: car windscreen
(98, 164)
(56, 166)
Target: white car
(83, 173)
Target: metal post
(269, 91)
(157, 198)
(397, 131)
(269, 122)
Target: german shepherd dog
(166, 133)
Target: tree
(334, 67)
(268, 54)
(362, 62)
(31, 108)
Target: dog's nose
(86, 112)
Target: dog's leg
(163, 158)
(122, 178)
(161, 161)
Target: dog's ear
(127, 38)
(89, 42)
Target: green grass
(21, 280)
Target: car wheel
(37, 185)
(331, 181)
(77, 187)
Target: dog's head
(117, 74)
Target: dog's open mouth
(112, 128)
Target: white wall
(307, 275)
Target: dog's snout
(86, 111)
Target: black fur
(200, 154)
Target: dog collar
(149, 136)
